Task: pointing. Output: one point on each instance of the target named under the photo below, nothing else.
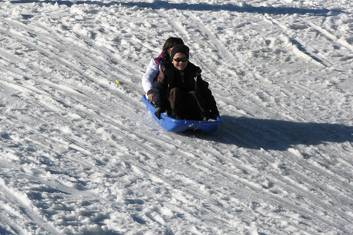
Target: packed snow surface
(79, 154)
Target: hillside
(79, 154)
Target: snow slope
(79, 154)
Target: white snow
(79, 154)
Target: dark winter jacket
(169, 77)
(189, 80)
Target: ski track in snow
(81, 155)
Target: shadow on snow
(277, 134)
(4, 231)
(198, 7)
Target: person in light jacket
(153, 68)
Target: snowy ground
(80, 155)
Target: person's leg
(193, 110)
(184, 105)
(161, 101)
(207, 103)
(176, 102)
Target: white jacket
(149, 75)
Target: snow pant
(206, 100)
(184, 105)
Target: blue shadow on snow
(199, 7)
(4, 231)
(277, 134)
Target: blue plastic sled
(180, 125)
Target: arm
(149, 76)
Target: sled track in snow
(26, 207)
(104, 83)
(298, 47)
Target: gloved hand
(213, 113)
(158, 113)
(152, 96)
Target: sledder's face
(180, 61)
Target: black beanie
(179, 48)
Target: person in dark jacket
(183, 93)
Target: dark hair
(180, 48)
(171, 42)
